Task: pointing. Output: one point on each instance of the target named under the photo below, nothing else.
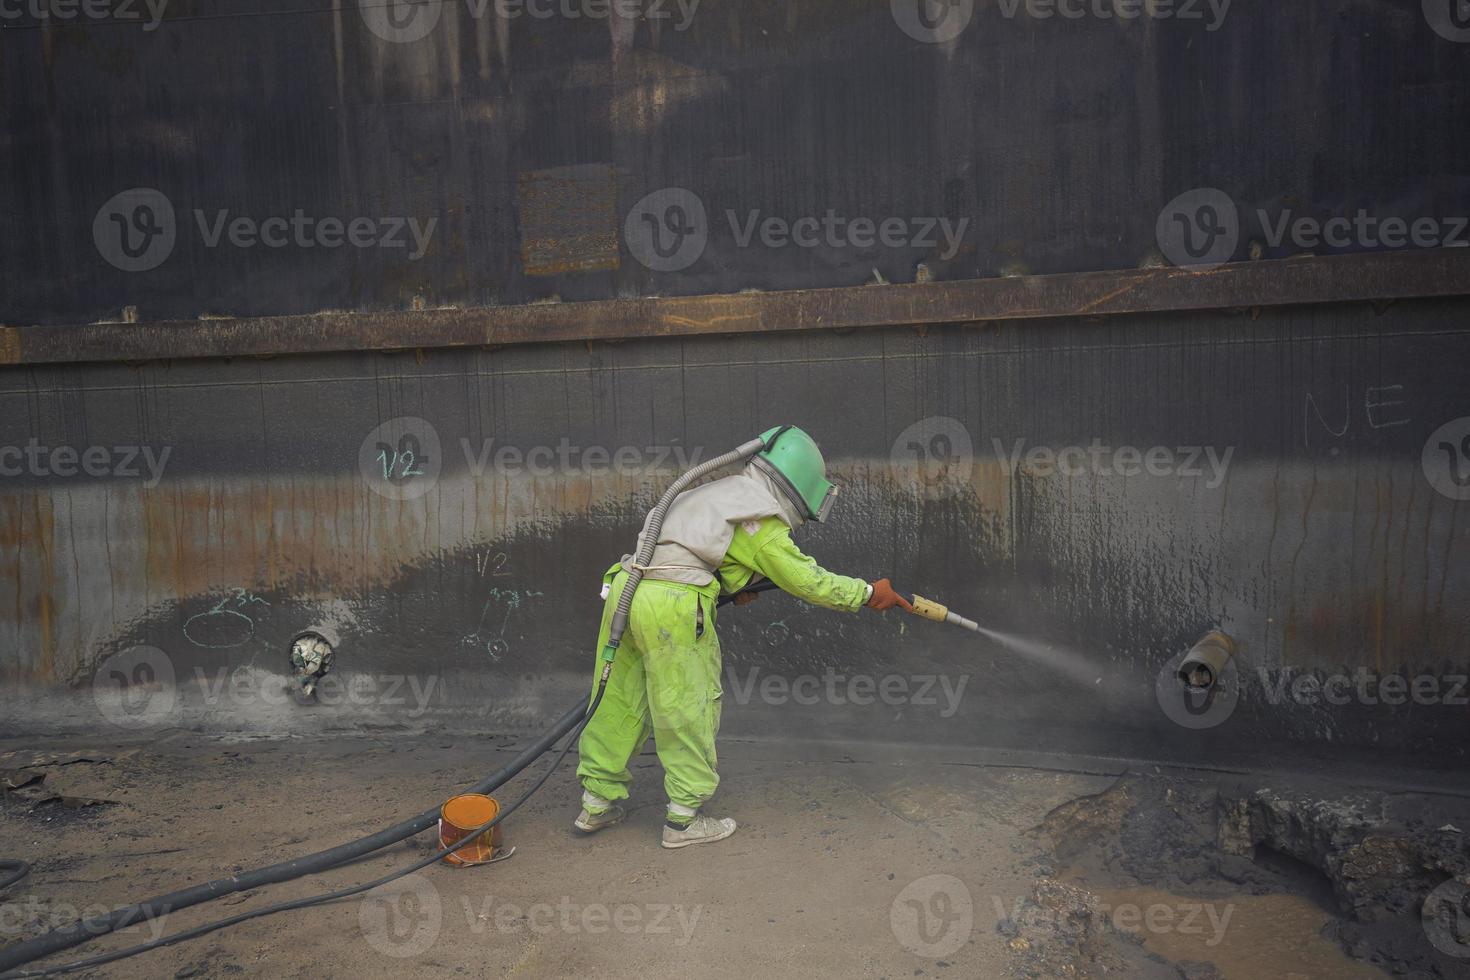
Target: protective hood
(791, 512)
(699, 526)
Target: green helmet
(792, 459)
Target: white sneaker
(701, 830)
(591, 823)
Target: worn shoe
(591, 823)
(701, 830)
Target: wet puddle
(1247, 937)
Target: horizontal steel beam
(1372, 276)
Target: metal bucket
(458, 819)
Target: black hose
(765, 586)
(81, 931)
(84, 930)
(18, 869)
(321, 899)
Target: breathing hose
(649, 538)
(85, 930)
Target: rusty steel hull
(1321, 545)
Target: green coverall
(666, 679)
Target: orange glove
(884, 597)
(745, 598)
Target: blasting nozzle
(929, 609)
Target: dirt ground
(870, 861)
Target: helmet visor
(827, 503)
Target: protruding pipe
(1206, 660)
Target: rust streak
(9, 345)
(1108, 297)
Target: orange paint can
(458, 820)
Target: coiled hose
(325, 897)
(84, 930)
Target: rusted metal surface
(1381, 276)
(524, 151)
(568, 220)
(1319, 540)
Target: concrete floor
(849, 861)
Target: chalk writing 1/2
(403, 462)
(494, 564)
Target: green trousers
(665, 682)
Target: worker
(723, 536)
